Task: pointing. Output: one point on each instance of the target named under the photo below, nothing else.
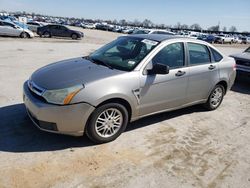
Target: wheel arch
(224, 84)
(118, 100)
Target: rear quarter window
(217, 56)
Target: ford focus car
(130, 78)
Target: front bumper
(67, 119)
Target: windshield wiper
(98, 61)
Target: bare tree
(137, 23)
(178, 25)
(195, 27)
(232, 29)
(147, 23)
(214, 28)
(123, 22)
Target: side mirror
(159, 69)
(15, 27)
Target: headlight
(62, 96)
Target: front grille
(43, 124)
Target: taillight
(234, 66)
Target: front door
(162, 92)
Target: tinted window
(31, 23)
(172, 55)
(198, 54)
(8, 24)
(53, 27)
(217, 56)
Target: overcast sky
(169, 12)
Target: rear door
(203, 73)
(54, 30)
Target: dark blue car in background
(207, 38)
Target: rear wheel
(46, 34)
(215, 98)
(107, 122)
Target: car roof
(155, 37)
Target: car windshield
(125, 53)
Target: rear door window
(198, 54)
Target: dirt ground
(185, 148)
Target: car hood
(69, 73)
(244, 55)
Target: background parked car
(221, 38)
(88, 26)
(11, 29)
(243, 63)
(245, 40)
(153, 31)
(207, 38)
(33, 25)
(58, 31)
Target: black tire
(46, 34)
(210, 104)
(91, 130)
(74, 36)
(24, 35)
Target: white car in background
(11, 29)
(33, 25)
(222, 38)
(153, 31)
(88, 26)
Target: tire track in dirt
(191, 155)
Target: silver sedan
(130, 78)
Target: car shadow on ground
(18, 134)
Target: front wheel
(24, 35)
(74, 36)
(215, 98)
(107, 123)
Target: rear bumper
(68, 119)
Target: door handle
(180, 73)
(211, 67)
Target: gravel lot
(185, 148)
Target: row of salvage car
(18, 29)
